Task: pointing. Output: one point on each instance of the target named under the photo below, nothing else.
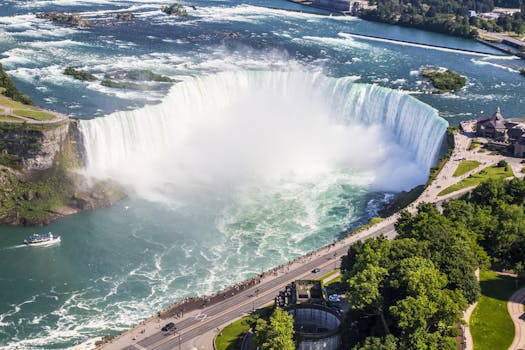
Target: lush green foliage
(416, 286)
(490, 323)
(447, 81)
(8, 88)
(140, 75)
(493, 172)
(277, 334)
(494, 213)
(505, 23)
(465, 166)
(79, 75)
(450, 17)
(123, 85)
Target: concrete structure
(318, 327)
(519, 147)
(308, 291)
(504, 135)
(493, 127)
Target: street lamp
(178, 333)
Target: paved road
(504, 37)
(204, 321)
(213, 316)
(515, 308)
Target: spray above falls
(231, 128)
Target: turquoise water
(182, 233)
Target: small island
(444, 80)
(175, 9)
(122, 79)
(71, 19)
(79, 75)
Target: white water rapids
(231, 128)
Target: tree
(374, 343)
(278, 333)
(8, 88)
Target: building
(504, 135)
(308, 291)
(493, 127)
(317, 327)
(519, 147)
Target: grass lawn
(329, 274)
(493, 172)
(230, 335)
(490, 324)
(6, 101)
(466, 166)
(8, 118)
(370, 223)
(37, 115)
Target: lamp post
(178, 333)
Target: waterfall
(235, 124)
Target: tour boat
(41, 240)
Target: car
(168, 327)
(316, 270)
(334, 298)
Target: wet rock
(67, 18)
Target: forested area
(409, 293)
(450, 17)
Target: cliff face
(32, 147)
(39, 178)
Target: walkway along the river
(196, 328)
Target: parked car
(168, 327)
(316, 270)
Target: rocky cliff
(40, 179)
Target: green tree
(375, 343)
(277, 334)
(8, 88)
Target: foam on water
(313, 124)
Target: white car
(334, 298)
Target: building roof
(521, 140)
(496, 121)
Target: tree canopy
(409, 293)
(277, 334)
(8, 88)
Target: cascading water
(229, 128)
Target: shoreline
(199, 325)
(339, 13)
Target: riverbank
(197, 318)
(42, 151)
